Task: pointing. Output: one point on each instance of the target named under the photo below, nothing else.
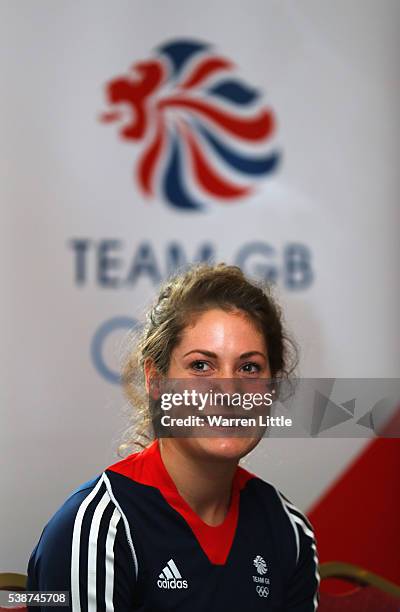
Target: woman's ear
(150, 371)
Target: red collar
(147, 467)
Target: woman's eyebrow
(203, 352)
(251, 353)
(214, 356)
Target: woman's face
(220, 345)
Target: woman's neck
(204, 484)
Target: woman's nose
(225, 382)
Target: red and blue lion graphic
(206, 134)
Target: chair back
(372, 593)
(12, 582)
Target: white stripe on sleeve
(92, 552)
(112, 532)
(291, 519)
(76, 538)
(126, 523)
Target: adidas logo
(170, 577)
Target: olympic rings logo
(263, 591)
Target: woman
(180, 526)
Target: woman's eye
(200, 366)
(251, 368)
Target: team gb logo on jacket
(202, 134)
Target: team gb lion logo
(205, 135)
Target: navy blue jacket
(128, 541)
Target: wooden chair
(371, 593)
(12, 582)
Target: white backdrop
(329, 71)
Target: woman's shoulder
(91, 513)
(88, 525)
(269, 493)
(61, 524)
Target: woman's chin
(225, 448)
